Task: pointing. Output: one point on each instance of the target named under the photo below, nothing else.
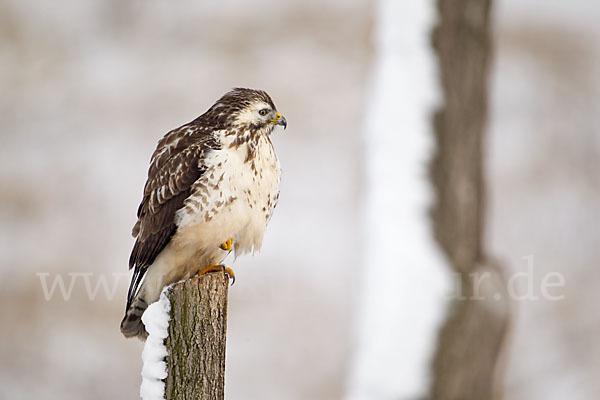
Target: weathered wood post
(196, 342)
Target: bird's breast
(236, 195)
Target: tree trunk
(470, 340)
(196, 342)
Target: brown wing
(176, 164)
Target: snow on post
(154, 370)
(184, 354)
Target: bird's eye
(263, 112)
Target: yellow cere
(279, 116)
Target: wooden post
(465, 365)
(196, 342)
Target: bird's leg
(227, 245)
(228, 272)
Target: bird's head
(249, 107)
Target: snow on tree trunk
(405, 275)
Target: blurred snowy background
(89, 87)
(544, 190)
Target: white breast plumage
(235, 196)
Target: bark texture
(196, 342)
(470, 340)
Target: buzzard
(212, 187)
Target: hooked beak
(279, 120)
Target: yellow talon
(218, 268)
(228, 245)
(211, 268)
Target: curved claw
(228, 272)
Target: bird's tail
(132, 324)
